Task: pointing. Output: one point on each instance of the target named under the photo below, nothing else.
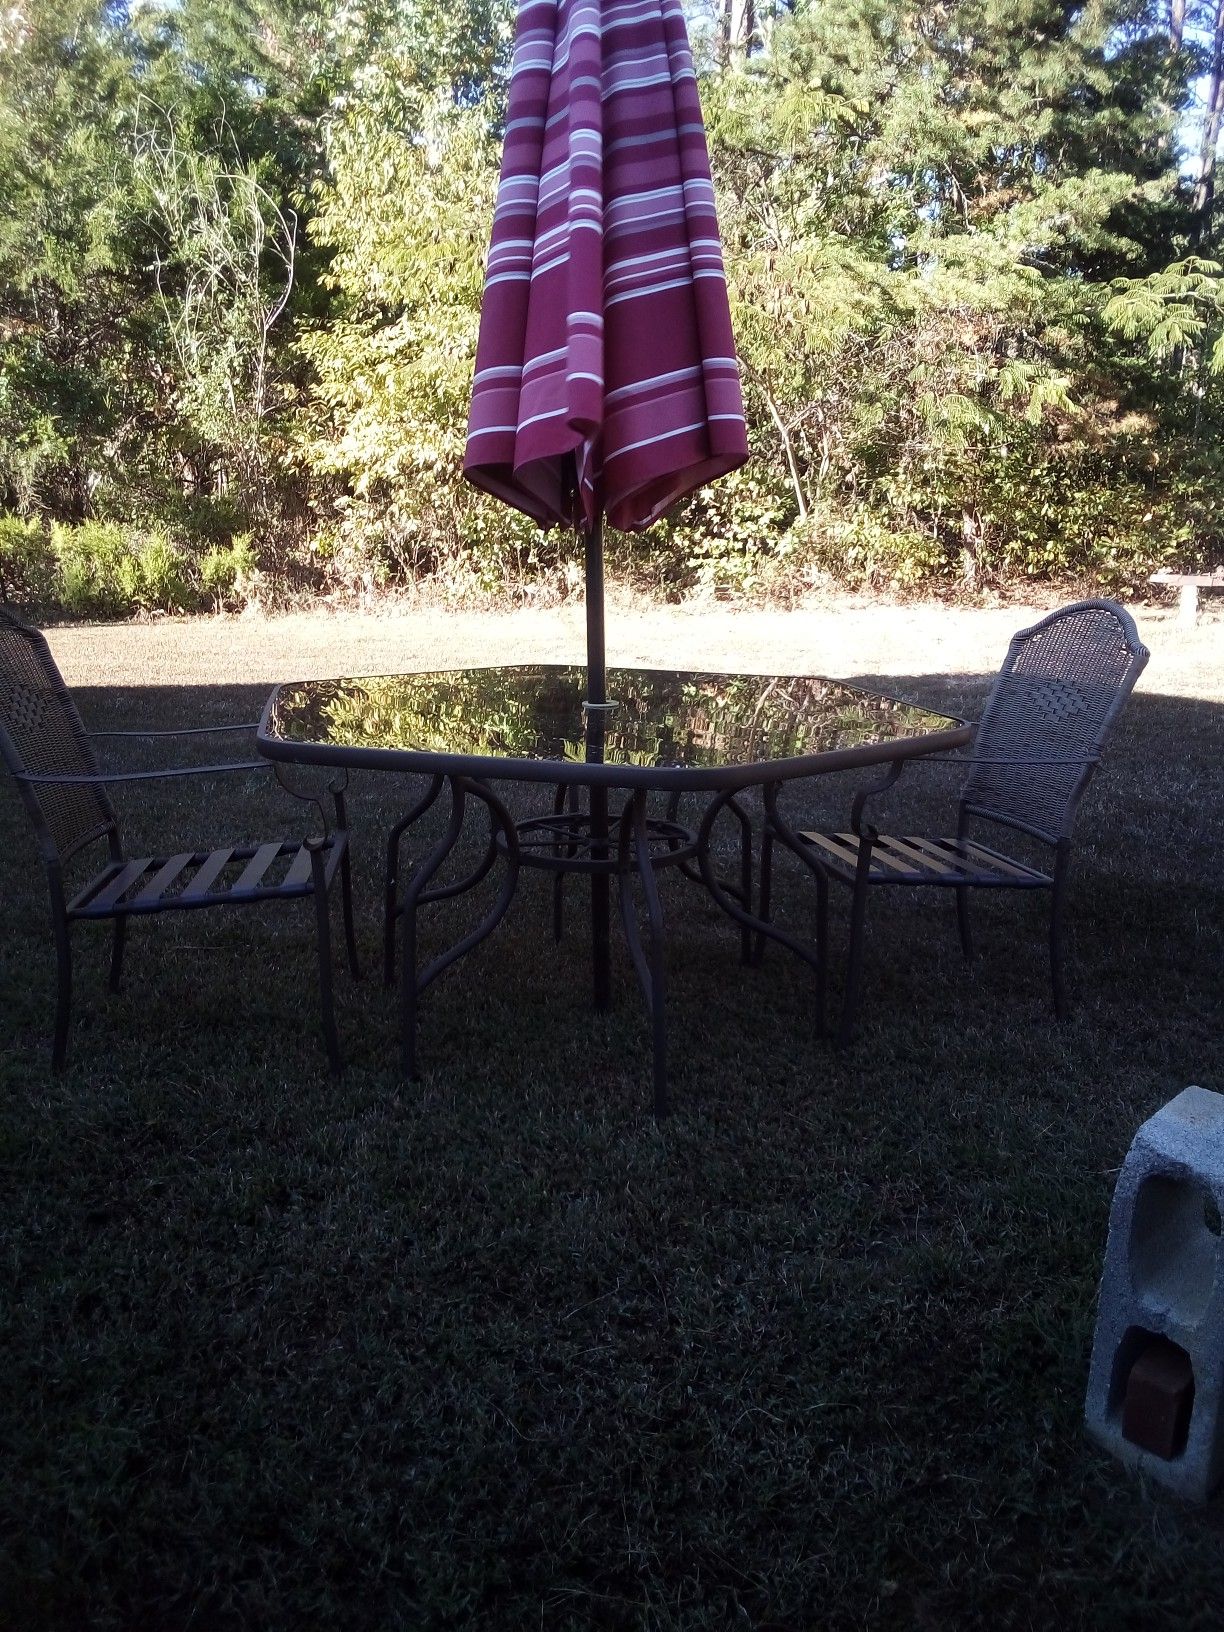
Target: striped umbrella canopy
(606, 380)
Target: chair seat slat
(206, 877)
(255, 869)
(163, 878)
(299, 871)
(983, 856)
(841, 848)
(120, 884)
(940, 854)
(921, 859)
(86, 894)
(894, 855)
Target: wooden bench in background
(1188, 585)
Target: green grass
(494, 1350)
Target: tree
(223, 257)
(925, 210)
(69, 281)
(1213, 120)
(404, 211)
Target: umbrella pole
(597, 676)
(597, 694)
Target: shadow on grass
(493, 1349)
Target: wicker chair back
(41, 734)
(1061, 687)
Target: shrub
(865, 550)
(230, 573)
(727, 539)
(105, 569)
(27, 565)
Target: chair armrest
(1005, 759)
(186, 731)
(142, 776)
(891, 776)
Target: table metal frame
(629, 847)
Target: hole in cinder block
(1152, 1389)
(1173, 1249)
(1211, 1214)
(1134, 1340)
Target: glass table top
(529, 721)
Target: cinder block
(1156, 1385)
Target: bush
(1053, 513)
(865, 550)
(105, 569)
(27, 566)
(100, 569)
(729, 539)
(230, 573)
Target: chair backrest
(1061, 687)
(41, 734)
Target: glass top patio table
(665, 728)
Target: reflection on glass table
(664, 728)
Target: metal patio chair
(50, 754)
(1046, 719)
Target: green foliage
(110, 570)
(1176, 311)
(106, 570)
(931, 251)
(728, 540)
(978, 305)
(27, 565)
(404, 210)
(866, 552)
(229, 573)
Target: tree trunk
(737, 29)
(970, 541)
(788, 447)
(1213, 123)
(1177, 24)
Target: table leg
(418, 893)
(601, 883)
(391, 874)
(776, 829)
(633, 845)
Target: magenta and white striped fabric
(605, 330)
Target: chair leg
(745, 878)
(563, 800)
(390, 889)
(962, 920)
(1057, 912)
(854, 963)
(346, 902)
(758, 951)
(822, 952)
(331, 1038)
(118, 940)
(63, 992)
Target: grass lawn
(495, 1350)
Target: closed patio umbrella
(606, 380)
